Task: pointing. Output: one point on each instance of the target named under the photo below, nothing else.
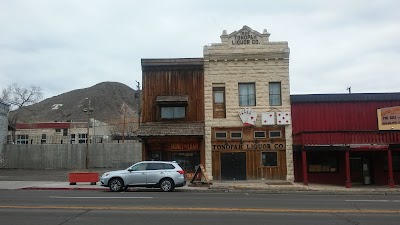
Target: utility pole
(88, 111)
(349, 89)
(123, 126)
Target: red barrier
(75, 177)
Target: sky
(63, 45)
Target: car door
(155, 172)
(136, 175)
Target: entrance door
(233, 166)
(360, 169)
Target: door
(136, 175)
(233, 166)
(155, 172)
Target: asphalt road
(154, 207)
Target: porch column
(304, 161)
(348, 177)
(390, 169)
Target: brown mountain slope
(107, 99)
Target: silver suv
(150, 174)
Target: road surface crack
(76, 216)
(347, 219)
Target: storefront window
(395, 161)
(322, 165)
(187, 160)
(270, 159)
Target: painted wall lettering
(245, 38)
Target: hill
(109, 101)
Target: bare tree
(19, 97)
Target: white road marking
(372, 200)
(100, 197)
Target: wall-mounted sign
(389, 118)
(251, 146)
(268, 118)
(248, 116)
(283, 118)
(185, 146)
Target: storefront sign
(390, 115)
(185, 146)
(251, 146)
(389, 118)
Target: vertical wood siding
(188, 82)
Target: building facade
(248, 133)
(61, 132)
(172, 112)
(347, 139)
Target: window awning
(151, 129)
(172, 99)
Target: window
(270, 159)
(219, 110)
(72, 138)
(43, 140)
(275, 93)
(23, 139)
(138, 167)
(260, 134)
(155, 166)
(58, 130)
(65, 132)
(318, 164)
(220, 135)
(172, 112)
(236, 135)
(82, 138)
(247, 94)
(275, 134)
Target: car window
(155, 166)
(169, 166)
(139, 167)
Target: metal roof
(346, 97)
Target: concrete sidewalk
(58, 180)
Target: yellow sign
(389, 118)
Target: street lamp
(88, 111)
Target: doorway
(233, 166)
(360, 169)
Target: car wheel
(167, 185)
(116, 184)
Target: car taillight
(180, 171)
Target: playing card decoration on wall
(268, 118)
(283, 118)
(248, 116)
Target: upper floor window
(173, 112)
(247, 94)
(219, 110)
(275, 93)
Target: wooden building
(347, 139)
(247, 107)
(172, 111)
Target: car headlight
(105, 174)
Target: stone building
(248, 132)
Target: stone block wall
(232, 64)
